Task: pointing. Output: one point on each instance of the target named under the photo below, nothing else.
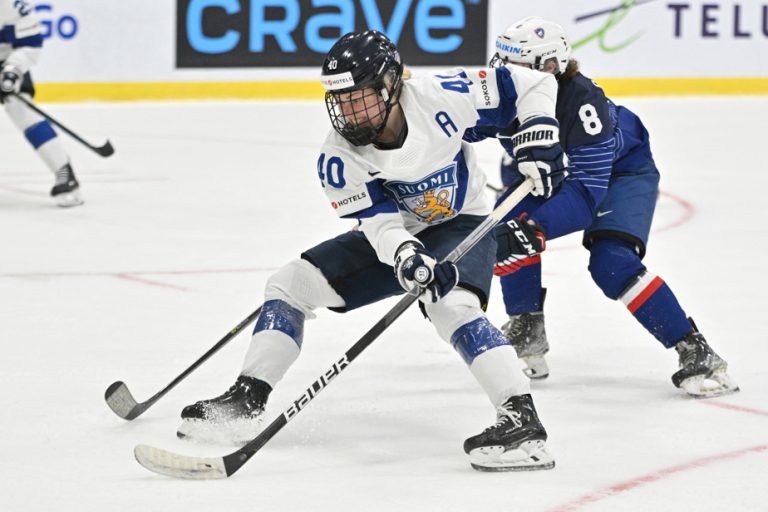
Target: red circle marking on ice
(335, 205)
(482, 73)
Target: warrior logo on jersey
(430, 199)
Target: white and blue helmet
(532, 41)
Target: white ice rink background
(203, 200)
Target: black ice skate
(703, 373)
(527, 334)
(66, 190)
(232, 418)
(517, 442)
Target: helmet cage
(360, 113)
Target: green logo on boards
(615, 16)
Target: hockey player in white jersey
(20, 44)
(396, 162)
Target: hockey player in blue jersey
(20, 44)
(611, 195)
(396, 162)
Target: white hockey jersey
(434, 176)
(20, 34)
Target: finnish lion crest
(431, 199)
(432, 206)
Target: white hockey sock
(500, 373)
(270, 355)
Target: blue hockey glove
(10, 81)
(536, 148)
(417, 267)
(519, 242)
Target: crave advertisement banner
(226, 41)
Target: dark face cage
(359, 115)
(497, 61)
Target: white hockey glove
(10, 81)
(536, 148)
(417, 267)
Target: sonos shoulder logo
(253, 33)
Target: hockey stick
(206, 468)
(496, 190)
(105, 150)
(121, 401)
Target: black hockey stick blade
(215, 468)
(121, 401)
(105, 150)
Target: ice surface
(203, 200)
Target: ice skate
(703, 373)
(517, 442)
(232, 418)
(527, 334)
(66, 190)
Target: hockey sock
(522, 290)
(616, 268)
(276, 342)
(39, 133)
(491, 359)
(654, 305)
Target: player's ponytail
(571, 70)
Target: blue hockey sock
(654, 305)
(476, 337)
(522, 290)
(39, 133)
(280, 316)
(616, 268)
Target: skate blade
(529, 456)
(69, 199)
(537, 367)
(717, 384)
(234, 432)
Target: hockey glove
(536, 147)
(10, 81)
(518, 244)
(417, 267)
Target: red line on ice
(649, 478)
(131, 277)
(137, 273)
(732, 407)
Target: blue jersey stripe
(8, 36)
(503, 115)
